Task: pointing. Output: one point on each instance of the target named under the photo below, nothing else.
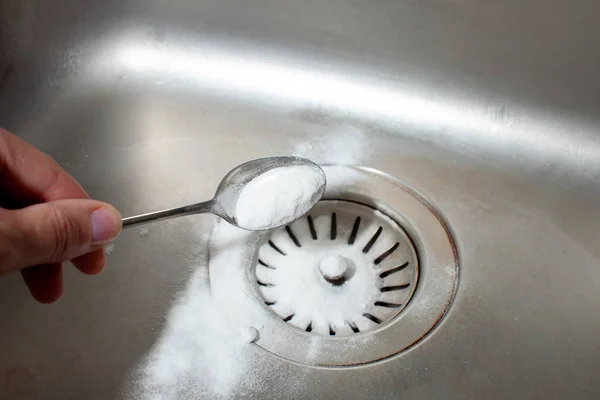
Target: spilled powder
(347, 145)
(201, 353)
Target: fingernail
(106, 225)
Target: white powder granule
(109, 249)
(278, 197)
(248, 334)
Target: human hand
(46, 218)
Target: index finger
(31, 176)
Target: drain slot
(354, 232)
(311, 226)
(382, 257)
(393, 270)
(392, 288)
(263, 284)
(288, 318)
(333, 235)
(388, 305)
(372, 318)
(353, 327)
(261, 262)
(292, 236)
(276, 248)
(331, 331)
(371, 242)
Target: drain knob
(334, 268)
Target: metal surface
(487, 108)
(225, 200)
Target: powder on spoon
(278, 197)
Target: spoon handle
(198, 208)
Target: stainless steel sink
(488, 109)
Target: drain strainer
(343, 269)
(366, 275)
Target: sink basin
(488, 110)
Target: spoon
(225, 201)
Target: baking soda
(278, 197)
(248, 334)
(109, 249)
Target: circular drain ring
(438, 273)
(343, 269)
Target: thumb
(54, 232)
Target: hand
(46, 218)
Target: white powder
(199, 355)
(109, 249)
(278, 197)
(248, 334)
(202, 352)
(344, 145)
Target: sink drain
(344, 269)
(367, 274)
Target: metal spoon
(225, 200)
